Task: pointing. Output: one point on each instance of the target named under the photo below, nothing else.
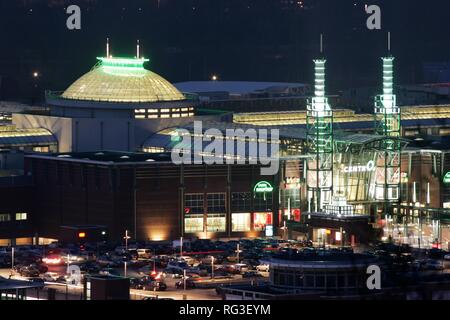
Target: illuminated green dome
(122, 80)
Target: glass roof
(122, 80)
(26, 137)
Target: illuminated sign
(370, 166)
(263, 186)
(269, 231)
(446, 178)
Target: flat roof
(105, 157)
(235, 87)
(13, 284)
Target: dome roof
(122, 80)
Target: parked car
(263, 268)
(37, 280)
(29, 271)
(433, 265)
(144, 253)
(190, 284)
(154, 286)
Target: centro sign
(370, 166)
(446, 179)
(263, 187)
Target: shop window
(216, 223)
(21, 216)
(241, 201)
(193, 223)
(261, 220)
(216, 202)
(240, 222)
(194, 203)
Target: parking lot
(166, 270)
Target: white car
(447, 257)
(263, 268)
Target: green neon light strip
(263, 186)
(123, 62)
(446, 179)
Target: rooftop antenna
(389, 42)
(321, 43)
(107, 47)
(138, 50)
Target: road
(72, 292)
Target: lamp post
(12, 260)
(184, 279)
(181, 246)
(126, 240)
(237, 253)
(212, 267)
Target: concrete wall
(60, 127)
(93, 134)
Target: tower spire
(319, 120)
(321, 43)
(389, 42)
(138, 53)
(107, 47)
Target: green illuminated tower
(319, 121)
(387, 123)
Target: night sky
(258, 40)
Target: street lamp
(126, 239)
(212, 267)
(238, 250)
(184, 279)
(214, 77)
(12, 260)
(181, 246)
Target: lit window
(176, 110)
(139, 116)
(165, 110)
(139, 110)
(165, 116)
(261, 220)
(193, 223)
(152, 110)
(240, 222)
(184, 109)
(185, 114)
(175, 115)
(191, 114)
(21, 216)
(216, 223)
(152, 116)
